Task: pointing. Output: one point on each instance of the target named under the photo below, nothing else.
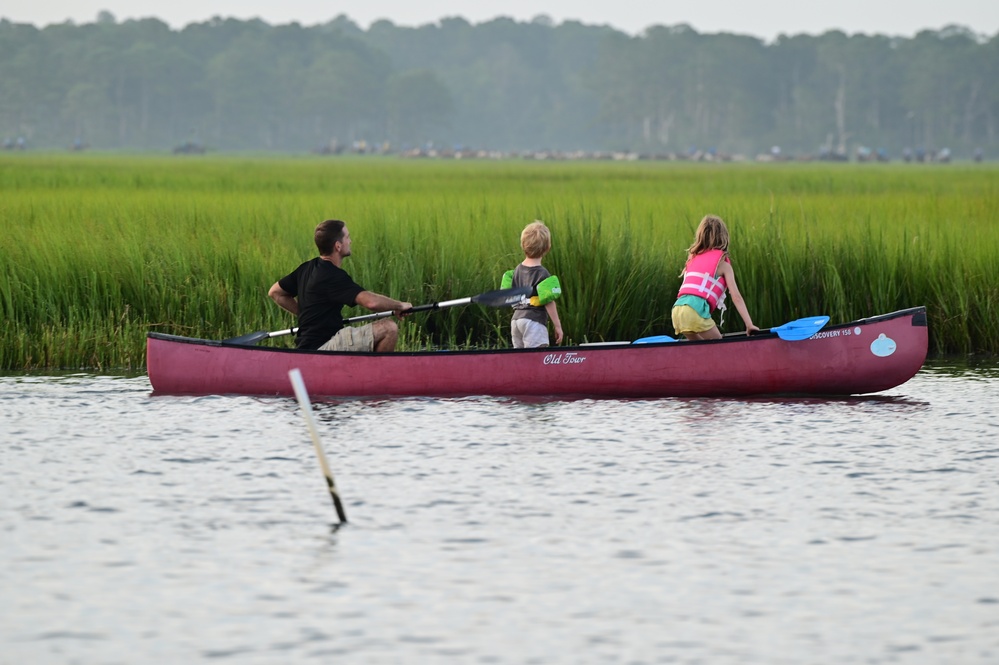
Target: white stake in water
(302, 395)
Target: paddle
(302, 395)
(658, 339)
(797, 330)
(498, 298)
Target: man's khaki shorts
(351, 338)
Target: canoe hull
(865, 356)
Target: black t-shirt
(323, 290)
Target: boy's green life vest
(548, 290)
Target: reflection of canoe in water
(862, 356)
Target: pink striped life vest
(699, 278)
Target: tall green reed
(98, 250)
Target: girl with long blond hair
(707, 275)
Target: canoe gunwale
(918, 313)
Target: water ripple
(500, 530)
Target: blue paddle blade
(654, 340)
(800, 329)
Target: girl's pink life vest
(699, 278)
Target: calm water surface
(138, 528)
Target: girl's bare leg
(714, 333)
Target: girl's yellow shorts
(686, 320)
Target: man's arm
(284, 299)
(378, 303)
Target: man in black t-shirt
(317, 291)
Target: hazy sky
(763, 18)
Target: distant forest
(499, 85)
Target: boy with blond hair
(529, 326)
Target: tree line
(498, 85)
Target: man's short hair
(328, 234)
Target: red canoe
(853, 358)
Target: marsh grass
(98, 250)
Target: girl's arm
(729, 274)
(553, 315)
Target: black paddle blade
(248, 340)
(503, 297)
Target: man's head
(332, 237)
(535, 240)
